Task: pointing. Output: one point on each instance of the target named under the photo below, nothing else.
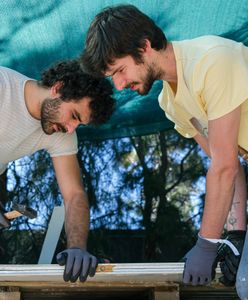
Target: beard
(50, 115)
(148, 80)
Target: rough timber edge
(155, 274)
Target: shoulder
(200, 47)
(59, 144)
(211, 55)
(205, 41)
(8, 75)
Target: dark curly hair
(118, 31)
(76, 84)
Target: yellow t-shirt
(212, 81)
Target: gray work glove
(78, 264)
(200, 263)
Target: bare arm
(222, 180)
(75, 200)
(225, 184)
(237, 215)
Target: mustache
(61, 127)
(129, 85)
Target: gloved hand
(229, 262)
(78, 264)
(200, 265)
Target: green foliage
(163, 170)
(140, 184)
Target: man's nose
(119, 83)
(71, 126)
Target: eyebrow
(115, 71)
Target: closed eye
(119, 70)
(76, 116)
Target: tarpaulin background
(34, 34)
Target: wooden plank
(145, 274)
(167, 293)
(160, 280)
(155, 272)
(10, 295)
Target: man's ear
(55, 89)
(148, 48)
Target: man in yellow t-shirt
(205, 92)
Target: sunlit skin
(140, 76)
(126, 73)
(60, 116)
(222, 178)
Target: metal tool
(18, 211)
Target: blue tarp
(34, 34)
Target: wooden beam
(169, 293)
(139, 274)
(160, 280)
(144, 273)
(10, 295)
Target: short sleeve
(224, 80)
(63, 144)
(187, 131)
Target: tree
(163, 170)
(139, 183)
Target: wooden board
(159, 280)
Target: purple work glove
(78, 264)
(199, 268)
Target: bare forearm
(219, 195)
(237, 216)
(77, 221)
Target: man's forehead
(111, 69)
(79, 103)
(116, 64)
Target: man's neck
(167, 62)
(34, 96)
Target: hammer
(18, 210)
